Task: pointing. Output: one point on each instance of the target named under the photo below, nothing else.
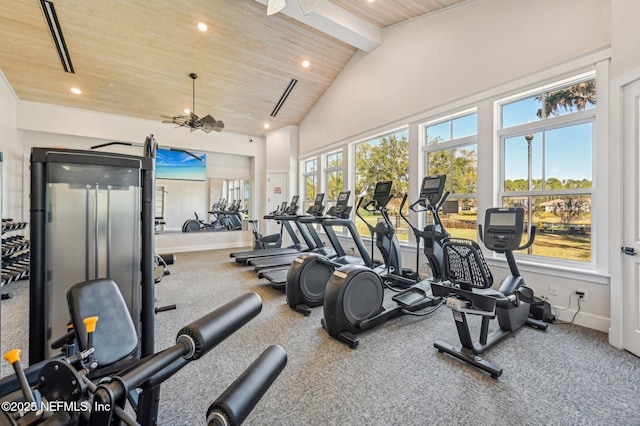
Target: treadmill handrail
(355, 236)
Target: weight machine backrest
(115, 338)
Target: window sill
(585, 273)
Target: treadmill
(308, 233)
(243, 256)
(278, 276)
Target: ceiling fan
(207, 123)
(275, 6)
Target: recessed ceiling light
(76, 91)
(110, 84)
(202, 26)
(266, 125)
(305, 63)
(187, 111)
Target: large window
(546, 145)
(451, 149)
(381, 159)
(310, 180)
(333, 176)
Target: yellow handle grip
(90, 323)
(13, 355)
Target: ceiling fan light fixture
(207, 123)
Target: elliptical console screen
(383, 189)
(432, 187)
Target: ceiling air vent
(284, 97)
(56, 33)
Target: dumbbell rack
(15, 254)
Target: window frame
(449, 145)
(333, 169)
(353, 173)
(305, 174)
(544, 125)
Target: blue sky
(567, 150)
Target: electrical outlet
(582, 294)
(553, 289)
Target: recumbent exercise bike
(468, 289)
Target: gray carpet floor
(567, 375)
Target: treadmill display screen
(319, 199)
(343, 196)
(294, 200)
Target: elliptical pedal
(417, 297)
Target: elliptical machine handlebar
(423, 204)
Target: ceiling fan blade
(307, 5)
(208, 119)
(275, 6)
(193, 116)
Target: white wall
(49, 125)
(442, 57)
(11, 147)
(282, 154)
(625, 36)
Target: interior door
(277, 193)
(631, 282)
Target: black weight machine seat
(115, 339)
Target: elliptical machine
(468, 289)
(309, 272)
(432, 198)
(354, 294)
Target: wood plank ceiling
(133, 58)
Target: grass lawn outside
(549, 243)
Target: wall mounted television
(180, 164)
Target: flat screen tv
(180, 164)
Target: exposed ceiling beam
(336, 22)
